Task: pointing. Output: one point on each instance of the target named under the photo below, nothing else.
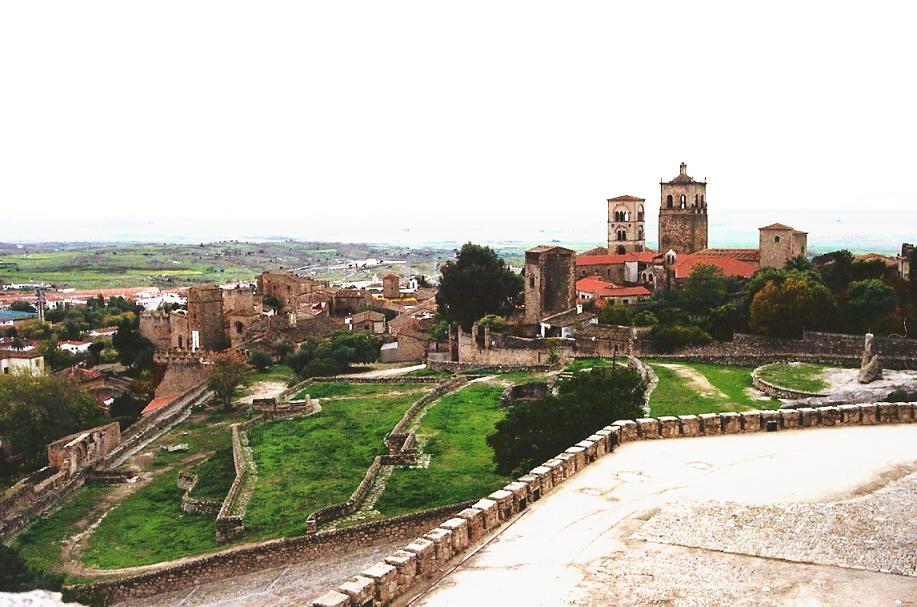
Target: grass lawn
(148, 528)
(588, 363)
(676, 396)
(461, 465)
(326, 389)
(795, 376)
(40, 542)
(215, 474)
(309, 463)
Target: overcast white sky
(427, 121)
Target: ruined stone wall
(778, 391)
(156, 327)
(180, 376)
(825, 348)
(83, 449)
(484, 348)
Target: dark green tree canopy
(477, 283)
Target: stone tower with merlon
(205, 318)
(626, 221)
(550, 282)
(683, 214)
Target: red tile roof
(627, 292)
(158, 403)
(750, 255)
(777, 226)
(730, 267)
(593, 284)
(606, 260)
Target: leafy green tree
(496, 323)
(670, 337)
(439, 330)
(475, 284)
(723, 321)
(134, 350)
(800, 263)
(226, 373)
(870, 306)
(704, 289)
(16, 575)
(645, 319)
(534, 431)
(22, 306)
(616, 315)
(785, 308)
(260, 360)
(35, 411)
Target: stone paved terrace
(807, 518)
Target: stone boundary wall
(425, 557)
(187, 481)
(815, 347)
(648, 375)
(527, 391)
(152, 424)
(455, 367)
(264, 555)
(778, 391)
(230, 521)
(33, 499)
(299, 387)
(401, 450)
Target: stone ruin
(871, 365)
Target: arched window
(640, 213)
(621, 215)
(668, 201)
(622, 235)
(696, 199)
(776, 239)
(702, 199)
(181, 342)
(621, 250)
(640, 234)
(683, 200)
(240, 327)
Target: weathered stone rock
(614, 438)
(332, 599)
(534, 483)
(828, 416)
(871, 364)
(569, 462)
(442, 541)
(905, 412)
(868, 414)
(426, 555)
(361, 590)
(545, 478)
(668, 427)
(887, 413)
(475, 520)
(850, 415)
(771, 421)
(385, 578)
(589, 450)
(751, 421)
(490, 515)
(556, 467)
(690, 425)
(710, 424)
(405, 563)
(648, 428)
(628, 430)
(601, 442)
(789, 418)
(730, 423)
(459, 529)
(808, 417)
(520, 493)
(579, 457)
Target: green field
(313, 462)
(328, 389)
(795, 376)
(461, 464)
(721, 388)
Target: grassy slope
(317, 461)
(673, 395)
(461, 464)
(803, 377)
(40, 542)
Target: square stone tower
(778, 243)
(391, 286)
(550, 282)
(683, 214)
(205, 319)
(626, 221)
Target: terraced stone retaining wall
(187, 481)
(778, 391)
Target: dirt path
(262, 389)
(391, 372)
(697, 381)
